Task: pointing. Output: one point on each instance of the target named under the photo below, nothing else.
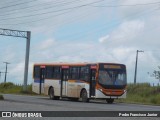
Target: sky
(73, 31)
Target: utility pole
(135, 74)
(26, 61)
(6, 71)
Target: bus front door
(92, 82)
(64, 82)
(41, 83)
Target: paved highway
(42, 103)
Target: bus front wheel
(110, 100)
(84, 96)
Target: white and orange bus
(80, 81)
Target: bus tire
(56, 97)
(84, 96)
(51, 93)
(110, 100)
(74, 99)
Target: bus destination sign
(112, 66)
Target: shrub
(142, 93)
(6, 85)
(12, 88)
(153, 100)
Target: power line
(64, 3)
(133, 5)
(71, 20)
(79, 18)
(106, 25)
(151, 50)
(48, 17)
(52, 17)
(51, 11)
(41, 7)
(37, 20)
(96, 28)
(17, 4)
(40, 19)
(117, 23)
(10, 1)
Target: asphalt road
(41, 103)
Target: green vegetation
(10, 88)
(142, 93)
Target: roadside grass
(10, 88)
(142, 93)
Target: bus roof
(79, 64)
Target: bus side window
(57, 72)
(74, 72)
(49, 72)
(84, 73)
(36, 71)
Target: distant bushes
(6, 85)
(10, 88)
(142, 93)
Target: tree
(156, 74)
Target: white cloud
(124, 35)
(103, 39)
(46, 44)
(129, 29)
(123, 54)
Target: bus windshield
(113, 77)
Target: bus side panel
(52, 83)
(72, 92)
(35, 87)
(75, 87)
(70, 87)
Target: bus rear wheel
(110, 100)
(84, 96)
(51, 93)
